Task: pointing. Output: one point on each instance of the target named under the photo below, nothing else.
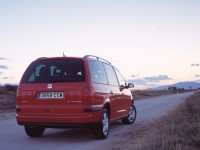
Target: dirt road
(12, 136)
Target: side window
(122, 82)
(112, 78)
(97, 72)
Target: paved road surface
(13, 137)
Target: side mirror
(121, 87)
(130, 85)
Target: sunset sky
(152, 42)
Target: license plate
(48, 95)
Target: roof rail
(99, 58)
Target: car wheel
(33, 131)
(130, 118)
(101, 130)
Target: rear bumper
(88, 117)
(57, 125)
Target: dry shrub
(179, 130)
(3, 90)
(141, 94)
(7, 96)
(11, 87)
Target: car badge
(49, 86)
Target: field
(179, 130)
(142, 94)
(7, 97)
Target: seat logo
(49, 86)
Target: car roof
(57, 58)
(91, 57)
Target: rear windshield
(71, 70)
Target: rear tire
(34, 131)
(130, 118)
(102, 129)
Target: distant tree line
(174, 88)
(10, 87)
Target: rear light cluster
(19, 94)
(88, 95)
(19, 98)
(17, 108)
(75, 95)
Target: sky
(151, 42)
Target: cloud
(195, 65)
(6, 78)
(146, 80)
(133, 76)
(197, 75)
(138, 81)
(1, 58)
(0, 72)
(157, 78)
(136, 76)
(3, 67)
(197, 81)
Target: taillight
(75, 95)
(19, 93)
(17, 108)
(88, 94)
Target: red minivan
(62, 92)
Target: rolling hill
(185, 85)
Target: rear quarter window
(112, 78)
(121, 79)
(71, 70)
(97, 72)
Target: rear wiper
(64, 80)
(57, 81)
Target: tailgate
(50, 98)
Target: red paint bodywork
(83, 102)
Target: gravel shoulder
(149, 113)
(7, 114)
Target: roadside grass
(142, 94)
(180, 130)
(7, 97)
